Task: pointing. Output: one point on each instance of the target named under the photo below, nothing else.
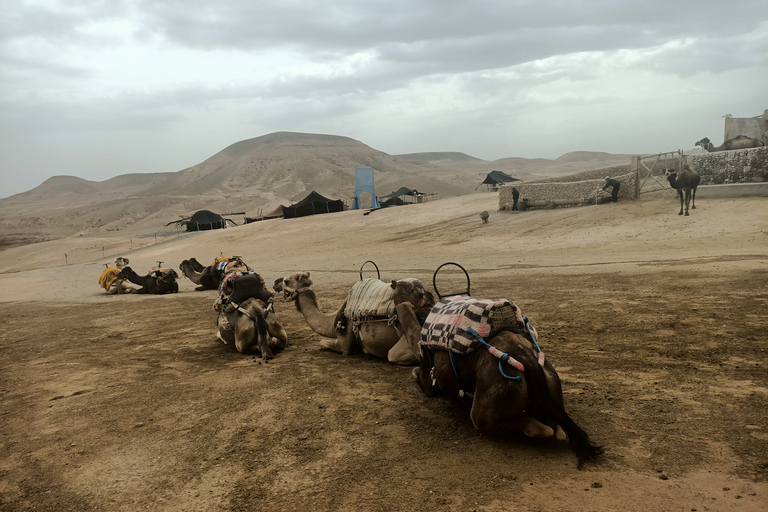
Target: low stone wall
(738, 166)
(564, 193)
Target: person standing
(610, 182)
(515, 197)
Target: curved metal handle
(434, 280)
(378, 274)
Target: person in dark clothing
(610, 182)
(515, 196)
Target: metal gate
(650, 170)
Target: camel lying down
(380, 337)
(252, 325)
(508, 387)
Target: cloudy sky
(98, 88)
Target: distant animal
(157, 282)
(484, 216)
(685, 182)
(739, 142)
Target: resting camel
(379, 337)
(252, 324)
(685, 182)
(207, 278)
(498, 404)
(154, 282)
(738, 142)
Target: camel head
(703, 143)
(413, 293)
(121, 262)
(292, 285)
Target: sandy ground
(656, 324)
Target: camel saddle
(371, 299)
(227, 287)
(159, 272)
(448, 324)
(109, 276)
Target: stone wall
(566, 193)
(738, 166)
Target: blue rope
(504, 356)
(533, 338)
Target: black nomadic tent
(313, 204)
(205, 220)
(496, 177)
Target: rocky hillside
(251, 176)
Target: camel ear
(394, 284)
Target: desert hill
(252, 176)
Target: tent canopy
(204, 220)
(313, 204)
(403, 191)
(496, 177)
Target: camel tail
(538, 391)
(263, 334)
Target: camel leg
(402, 353)
(693, 199)
(279, 338)
(687, 201)
(680, 195)
(422, 375)
(343, 343)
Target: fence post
(635, 166)
(66, 261)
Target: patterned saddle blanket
(227, 287)
(159, 272)
(447, 325)
(371, 299)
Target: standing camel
(685, 182)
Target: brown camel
(158, 282)
(738, 142)
(200, 275)
(381, 337)
(250, 325)
(502, 398)
(685, 182)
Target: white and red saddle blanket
(371, 299)
(447, 325)
(227, 286)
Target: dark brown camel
(154, 284)
(685, 182)
(738, 142)
(528, 399)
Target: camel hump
(371, 298)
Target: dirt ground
(656, 324)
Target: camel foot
(693, 207)
(680, 213)
(686, 214)
(416, 373)
(560, 434)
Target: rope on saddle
(503, 357)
